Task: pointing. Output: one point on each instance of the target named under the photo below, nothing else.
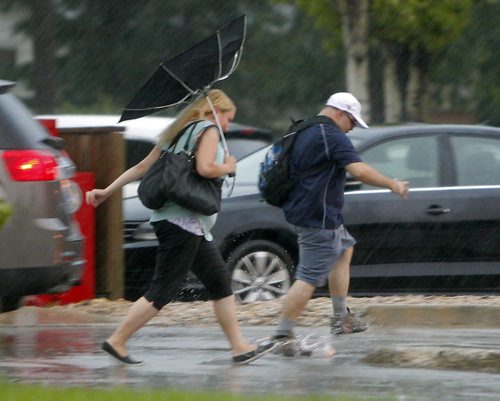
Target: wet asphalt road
(199, 359)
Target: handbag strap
(191, 127)
(181, 133)
(201, 134)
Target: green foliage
(5, 212)
(425, 24)
(107, 49)
(111, 48)
(469, 66)
(284, 72)
(103, 104)
(327, 17)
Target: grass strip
(29, 392)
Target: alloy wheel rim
(260, 276)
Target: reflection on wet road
(198, 358)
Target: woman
(184, 236)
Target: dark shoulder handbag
(173, 177)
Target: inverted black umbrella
(190, 73)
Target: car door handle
(436, 210)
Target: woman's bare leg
(141, 312)
(225, 311)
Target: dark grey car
(40, 243)
(445, 238)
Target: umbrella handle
(221, 133)
(224, 143)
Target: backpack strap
(301, 125)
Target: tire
(261, 271)
(8, 304)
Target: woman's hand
(96, 197)
(230, 163)
(134, 173)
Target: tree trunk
(423, 65)
(393, 101)
(44, 65)
(418, 102)
(355, 27)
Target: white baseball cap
(347, 102)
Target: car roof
(145, 127)
(372, 134)
(6, 86)
(149, 127)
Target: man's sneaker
(289, 346)
(347, 324)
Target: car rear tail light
(30, 165)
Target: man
(314, 207)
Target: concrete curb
(448, 358)
(384, 315)
(438, 316)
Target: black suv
(41, 245)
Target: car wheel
(261, 271)
(8, 304)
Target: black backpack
(274, 180)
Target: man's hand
(400, 187)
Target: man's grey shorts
(319, 249)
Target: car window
(413, 159)
(355, 141)
(248, 168)
(477, 160)
(137, 149)
(240, 147)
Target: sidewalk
(448, 320)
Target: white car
(141, 134)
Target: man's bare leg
(342, 321)
(293, 305)
(338, 282)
